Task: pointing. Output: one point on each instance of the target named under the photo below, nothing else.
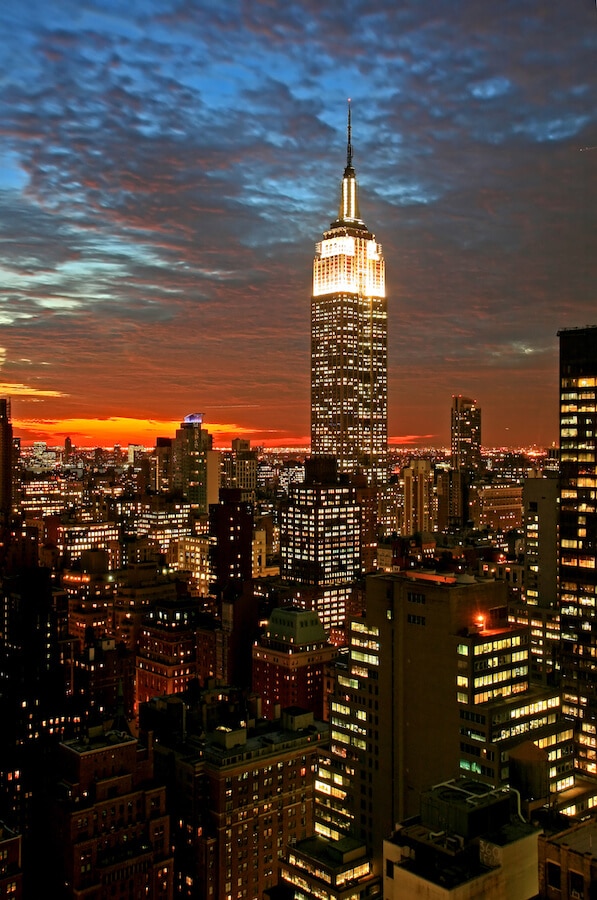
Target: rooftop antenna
(349, 141)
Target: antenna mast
(349, 141)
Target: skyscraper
(6, 462)
(465, 434)
(578, 536)
(195, 465)
(349, 379)
(320, 541)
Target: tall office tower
(578, 536)
(349, 364)
(320, 541)
(231, 536)
(538, 605)
(419, 498)
(471, 706)
(195, 465)
(540, 503)
(465, 434)
(161, 468)
(16, 473)
(6, 466)
(388, 740)
(465, 438)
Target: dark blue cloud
(166, 168)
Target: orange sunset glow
(123, 431)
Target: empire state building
(349, 341)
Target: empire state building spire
(349, 365)
(349, 201)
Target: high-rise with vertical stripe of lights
(349, 346)
(578, 537)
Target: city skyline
(166, 169)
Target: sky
(167, 166)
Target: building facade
(320, 547)
(537, 606)
(111, 828)
(578, 536)
(568, 862)
(288, 662)
(240, 795)
(166, 659)
(195, 465)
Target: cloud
(26, 391)
(167, 170)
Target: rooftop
(333, 855)
(582, 838)
(294, 625)
(98, 739)
(242, 746)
